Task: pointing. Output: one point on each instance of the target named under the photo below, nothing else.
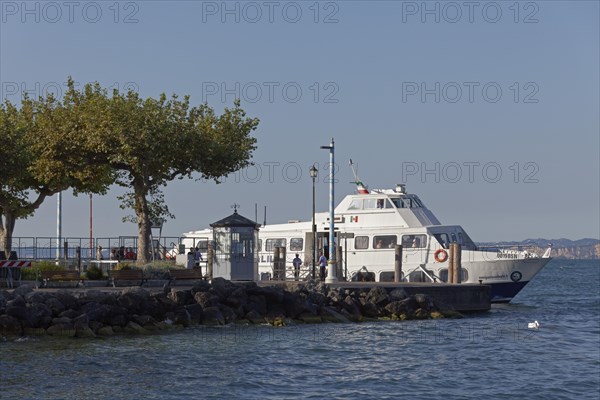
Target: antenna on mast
(360, 187)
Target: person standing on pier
(296, 262)
(322, 266)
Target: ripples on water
(491, 354)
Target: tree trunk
(6, 231)
(144, 227)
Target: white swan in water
(533, 325)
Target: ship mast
(360, 187)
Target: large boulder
(181, 297)
(134, 328)
(256, 303)
(39, 313)
(56, 305)
(398, 294)
(229, 315)
(295, 304)
(213, 316)
(16, 301)
(404, 307)
(223, 288)
(182, 317)
(82, 327)
(378, 296)
(370, 310)
(19, 312)
(143, 320)
(196, 313)
(67, 299)
(425, 302)
(61, 327)
(23, 290)
(201, 286)
(237, 298)
(106, 331)
(206, 299)
(254, 317)
(10, 325)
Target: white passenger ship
(369, 224)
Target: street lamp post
(331, 265)
(313, 174)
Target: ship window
(453, 237)
(361, 242)
(272, 243)
(259, 245)
(388, 276)
(398, 202)
(370, 204)
(460, 238)
(363, 276)
(417, 203)
(384, 242)
(415, 241)
(443, 240)
(296, 244)
(464, 275)
(419, 276)
(357, 204)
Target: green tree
(150, 142)
(39, 156)
(17, 185)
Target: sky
(489, 111)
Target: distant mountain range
(561, 248)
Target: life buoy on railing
(440, 255)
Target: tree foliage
(92, 139)
(150, 142)
(39, 157)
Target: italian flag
(354, 219)
(361, 188)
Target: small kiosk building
(235, 257)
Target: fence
(106, 248)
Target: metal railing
(105, 248)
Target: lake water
(491, 355)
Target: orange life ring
(440, 255)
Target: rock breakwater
(92, 313)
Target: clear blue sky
(441, 95)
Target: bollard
(340, 262)
(78, 258)
(66, 254)
(457, 262)
(209, 261)
(450, 264)
(282, 262)
(398, 264)
(276, 263)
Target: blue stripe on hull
(504, 292)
